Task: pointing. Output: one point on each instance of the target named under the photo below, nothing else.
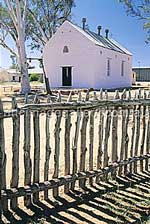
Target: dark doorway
(66, 76)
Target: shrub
(34, 77)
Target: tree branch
(12, 13)
(7, 28)
(45, 38)
(47, 17)
(42, 42)
(24, 11)
(4, 45)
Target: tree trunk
(25, 84)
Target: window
(108, 66)
(66, 49)
(122, 68)
(13, 78)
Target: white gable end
(75, 58)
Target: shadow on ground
(125, 200)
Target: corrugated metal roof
(102, 41)
(145, 67)
(108, 43)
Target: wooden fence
(84, 139)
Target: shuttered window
(122, 68)
(108, 70)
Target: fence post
(106, 137)
(132, 136)
(100, 136)
(4, 201)
(75, 142)
(57, 149)
(15, 153)
(123, 133)
(127, 136)
(114, 154)
(137, 133)
(91, 145)
(67, 143)
(143, 133)
(48, 150)
(36, 170)
(147, 137)
(83, 146)
(27, 148)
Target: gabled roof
(102, 41)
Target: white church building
(79, 58)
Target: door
(66, 76)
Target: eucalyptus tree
(44, 17)
(12, 36)
(141, 10)
(31, 21)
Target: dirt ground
(113, 207)
(124, 201)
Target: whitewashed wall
(89, 66)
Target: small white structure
(9, 75)
(79, 58)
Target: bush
(34, 77)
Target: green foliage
(141, 10)
(43, 19)
(34, 77)
(14, 64)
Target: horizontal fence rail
(68, 143)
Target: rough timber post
(143, 133)
(36, 170)
(127, 136)
(106, 138)
(15, 153)
(137, 132)
(114, 154)
(4, 202)
(75, 141)
(47, 150)
(27, 157)
(57, 149)
(123, 133)
(107, 133)
(67, 144)
(100, 136)
(91, 145)
(83, 146)
(132, 136)
(148, 138)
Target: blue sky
(127, 30)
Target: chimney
(99, 30)
(107, 32)
(83, 22)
